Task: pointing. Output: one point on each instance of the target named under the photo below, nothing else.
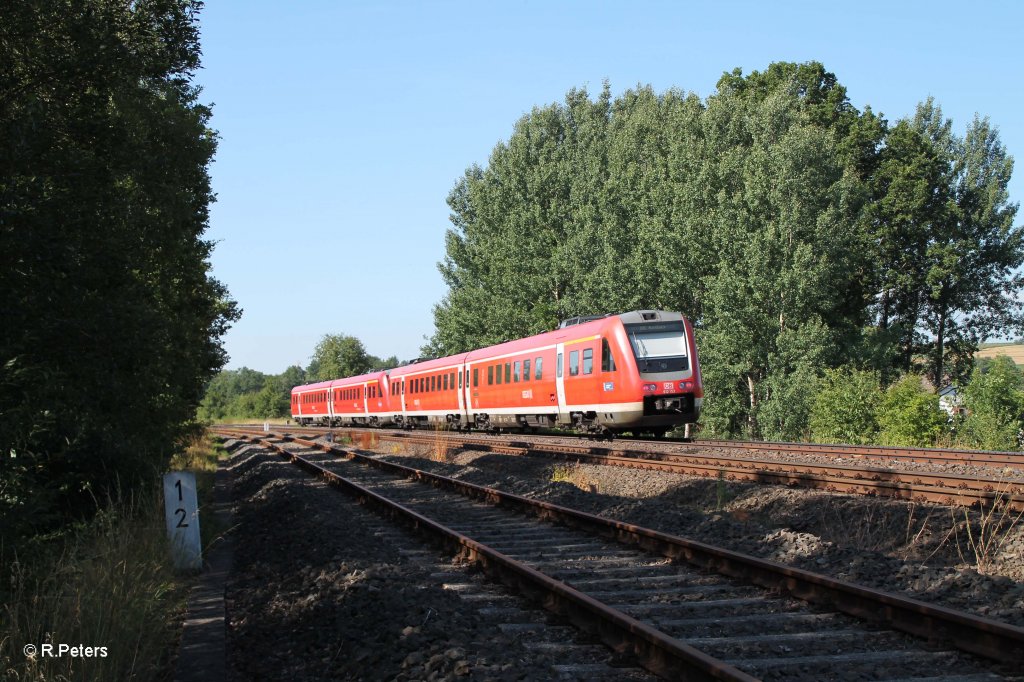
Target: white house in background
(950, 402)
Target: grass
(106, 584)
(573, 473)
(981, 540)
(440, 452)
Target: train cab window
(476, 377)
(526, 369)
(539, 371)
(607, 361)
(498, 373)
(508, 372)
(588, 360)
(574, 363)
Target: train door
(563, 412)
(463, 376)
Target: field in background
(1015, 351)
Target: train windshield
(659, 346)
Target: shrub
(845, 407)
(909, 414)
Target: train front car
(663, 372)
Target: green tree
(790, 254)
(994, 399)
(845, 408)
(337, 356)
(909, 414)
(112, 322)
(948, 252)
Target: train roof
(348, 381)
(427, 365)
(359, 379)
(311, 387)
(573, 329)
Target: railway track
(877, 452)
(854, 478)
(682, 608)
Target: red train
(637, 372)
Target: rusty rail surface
(919, 486)
(936, 624)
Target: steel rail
(940, 488)
(662, 655)
(992, 458)
(937, 624)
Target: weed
(108, 584)
(440, 452)
(573, 474)
(367, 440)
(981, 541)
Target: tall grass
(106, 584)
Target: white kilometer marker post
(182, 510)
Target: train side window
(515, 371)
(588, 360)
(490, 375)
(607, 361)
(476, 377)
(558, 369)
(539, 371)
(445, 382)
(508, 372)
(460, 379)
(451, 379)
(574, 363)
(498, 373)
(526, 369)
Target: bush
(909, 414)
(845, 407)
(994, 399)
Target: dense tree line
(111, 320)
(248, 394)
(799, 233)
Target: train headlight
(650, 388)
(685, 385)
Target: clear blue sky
(345, 124)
